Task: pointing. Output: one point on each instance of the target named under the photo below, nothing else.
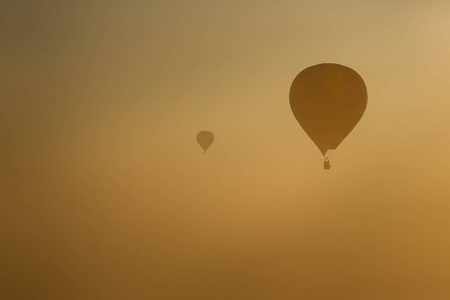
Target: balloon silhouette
(328, 100)
(205, 139)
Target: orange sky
(105, 193)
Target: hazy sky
(105, 193)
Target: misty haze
(225, 150)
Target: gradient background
(105, 193)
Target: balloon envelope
(205, 139)
(328, 100)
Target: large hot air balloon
(328, 100)
(205, 139)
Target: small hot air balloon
(205, 139)
(328, 100)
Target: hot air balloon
(205, 139)
(328, 100)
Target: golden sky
(105, 193)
